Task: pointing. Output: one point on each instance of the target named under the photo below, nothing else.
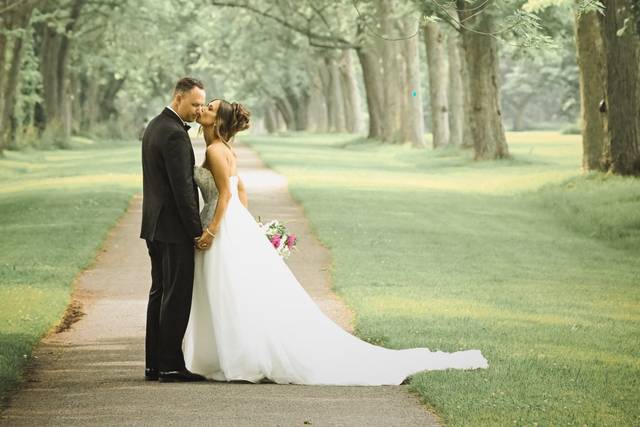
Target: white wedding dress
(251, 319)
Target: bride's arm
(242, 193)
(217, 162)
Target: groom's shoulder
(164, 124)
(164, 119)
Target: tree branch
(343, 43)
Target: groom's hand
(203, 242)
(198, 243)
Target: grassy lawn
(55, 210)
(525, 259)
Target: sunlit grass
(55, 210)
(525, 259)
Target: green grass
(55, 210)
(525, 259)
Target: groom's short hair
(185, 84)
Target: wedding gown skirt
(252, 320)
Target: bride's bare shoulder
(216, 150)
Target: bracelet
(209, 232)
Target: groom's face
(190, 104)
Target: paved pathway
(92, 373)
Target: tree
(12, 48)
(481, 55)
(437, 62)
(459, 127)
(590, 58)
(55, 49)
(621, 48)
(608, 46)
(326, 25)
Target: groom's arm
(177, 159)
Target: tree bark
(8, 124)
(372, 78)
(414, 126)
(457, 115)
(270, 120)
(467, 132)
(391, 120)
(299, 107)
(90, 111)
(335, 99)
(107, 97)
(48, 67)
(54, 68)
(481, 53)
(317, 110)
(281, 125)
(621, 80)
(519, 109)
(438, 83)
(353, 107)
(3, 55)
(286, 111)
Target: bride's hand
(205, 240)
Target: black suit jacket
(170, 211)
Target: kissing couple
(223, 305)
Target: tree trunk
(414, 125)
(90, 108)
(438, 83)
(372, 77)
(281, 125)
(481, 53)
(299, 107)
(335, 99)
(8, 123)
(3, 55)
(317, 110)
(270, 120)
(353, 108)
(467, 132)
(286, 111)
(48, 66)
(76, 104)
(391, 120)
(457, 116)
(107, 97)
(519, 109)
(54, 60)
(324, 78)
(302, 112)
(621, 80)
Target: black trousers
(169, 304)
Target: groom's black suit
(170, 223)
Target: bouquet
(277, 233)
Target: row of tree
(609, 58)
(331, 66)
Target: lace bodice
(206, 184)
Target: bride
(250, 318)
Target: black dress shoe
(180, 376)
(151, 374)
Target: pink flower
(275, 241)
(291, 240)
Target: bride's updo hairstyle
(230, 119)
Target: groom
(171, 227)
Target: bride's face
(209, 113)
